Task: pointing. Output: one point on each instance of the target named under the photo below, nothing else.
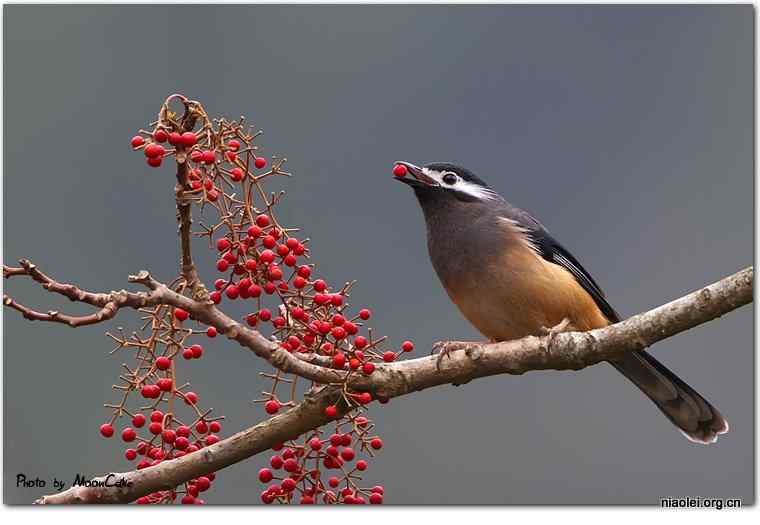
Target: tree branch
(565, 351)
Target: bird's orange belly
(516, 298)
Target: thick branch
(566, 351)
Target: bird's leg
(444, 349)
(563, 326)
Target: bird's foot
(551, 333)
(444, 349)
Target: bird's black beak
(412, 175)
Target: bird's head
(443, 182)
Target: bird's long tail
(694, 416)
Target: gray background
(627, 130)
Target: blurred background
(627, 130)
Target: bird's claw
(444, 349)
(551, 333)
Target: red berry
(364, 314)
(407, 346)
(175, 139)
(169, 436)
(163, 363)
(215, 426)
(288, 485)
(180, 314)
(201, 427)
(331, 411)
(153, 150)
(160, 135)
(231, 156)
(276, 462)
(197, 351)
(222, 244)
(375, 498)
(196, 156)
(181, 443)
(187, 353)
(106, 430)
(265, 475)
(269, 242)
(354, 363)
(365, 397)
(137, 141)
(336, 300)
(315, 443)
(399, 170)
(157, 416)
(368, 368)
(154, 162)
(376, 443)
(272, 406)
(191, 398)
(389, 356)
(347, 454)
(351, 328)
(236, 174)
(338, 332)
(211, 331)
(130, 454)
(360, 341)
(260, 162)
(222, 265)
(378, 489)
(233, 144)
(361, 465)
(138, 420)
(203, 483)
(189, 139)
(339, 360)
(290, 465)
(208, 157)
(154, 428)
(211, 439)
(265, 315)
(320, 285)
(304, 271)
(164, 384)
(262, 221)
(232, 291)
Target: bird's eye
(449, 178)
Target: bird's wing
(552, 251)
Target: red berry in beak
(399, 170)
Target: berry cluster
(265, 268)
(167, 422)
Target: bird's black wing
(552, 251)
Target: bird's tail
(694, 416)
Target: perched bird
(510, 278)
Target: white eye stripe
(463, 186)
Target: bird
(510, 278)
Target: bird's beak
(414, 175)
